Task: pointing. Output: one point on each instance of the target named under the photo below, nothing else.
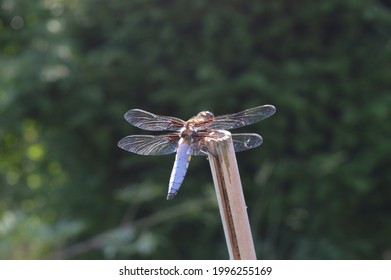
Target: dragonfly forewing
(243, 118)
(148, 121)
(149, 144)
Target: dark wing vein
(148, 121)
(243, 118)
(149, 144)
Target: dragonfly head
(206, 115)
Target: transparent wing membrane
(241, 142)
(149, 144)
(246, 141)
(243, 118)
(148, 121)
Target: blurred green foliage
(318, 188)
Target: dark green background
(318, 188)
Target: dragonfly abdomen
(182, 160)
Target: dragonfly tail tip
(170, 196)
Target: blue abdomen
(182, 160)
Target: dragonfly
(188, 138)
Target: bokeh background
(318, 188)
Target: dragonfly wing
(148, 121)
(149, 144)
(243, 118)
(246, 141)
(241, 142)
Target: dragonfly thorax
(199, 122)
(187, 132)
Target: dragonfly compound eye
(206, 114)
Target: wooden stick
(230, 197)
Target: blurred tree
(318, 187)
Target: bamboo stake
(230, 197)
